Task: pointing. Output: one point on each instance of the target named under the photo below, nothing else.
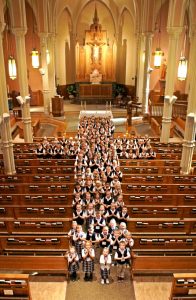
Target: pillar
(140, 66)
(73, 56)
(171, 75)
(23, 81)
(167, 117)
(44, 66)
(7, 145)
(118, 56)
(190, 126)
(188, 144)
(51, 65)
(147, 71)
(5, 128)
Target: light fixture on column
(12, 68)
(158, 52)
(183, 62)
(47, 56)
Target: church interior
(97, 98)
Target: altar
(95, 113)
(95, 91)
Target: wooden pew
(34, 245)
(164, 245)
(34, 226)
(165, 264)
(151, 170)
(29, 264)
(159, 188)
(183, 286)
(45, 170)
(31, 178)
(15, 286)
(44, 162)
(149, 163)
(161, 226)
(34, 199)
(171, 178)
(25, 188)
(144, 199)
(160, 211)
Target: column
(7, 145)
(174, 33)
(23, 81)
(188, 144)
(44, 66)
(73, 56)
(118, 56)
(147, 71)
(190, 126)
(167, 117)
(51, 65)
(140, 66)
(5, 128)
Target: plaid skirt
(105, 273)
(79, 246)
(73, 267)
(88, 266)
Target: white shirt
(92, 253)
(105, 261)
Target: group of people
(99, 230)
(102, 141)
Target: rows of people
(103, 146)
(99, 231)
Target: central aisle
(81, 290)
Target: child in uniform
(105, 263)
(78, 238)
(88, 255)
(122, 257)
(73, 262)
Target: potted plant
(120, 90)
(71, 89)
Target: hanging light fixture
(47, 57)
(12, 72)
(183, 62)
(34, 52)
(35, 58)
(12, 68)
(158, 52)
(182, 68)
(158, 57)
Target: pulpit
(57, 106)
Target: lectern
(57, 106)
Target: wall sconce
(12, 68)
(35, 58)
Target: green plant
(119, 90)
(71, 89)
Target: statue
(95, 76)
(163, 70)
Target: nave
(141, 284)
